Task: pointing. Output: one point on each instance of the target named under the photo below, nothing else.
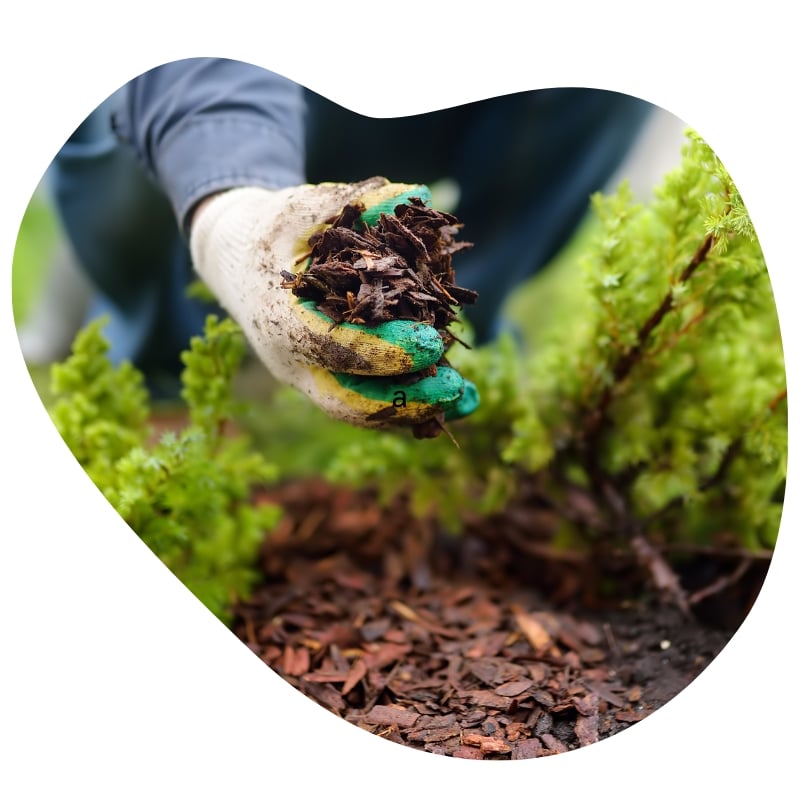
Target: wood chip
(586, 730)
(490, 699)
(435, 734)
(296, 662)
(391, 715)
(527, 748)
(468, 752)
(533, 630)
(514, 688)
(356, 674)
(630, 716)
(487, 744)
(552, 744)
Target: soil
(470, 646)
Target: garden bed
(467, 646)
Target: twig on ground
(721, 583)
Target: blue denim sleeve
(203, 125)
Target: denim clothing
(525, 164)
(136, 167)
(127, 180)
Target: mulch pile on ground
(434, 643)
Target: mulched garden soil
(462, 646)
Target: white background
(115, 682)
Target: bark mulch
(454, 645)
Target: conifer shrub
(654, 420)
(661, 409)
(187, 494)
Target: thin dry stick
(721, 583)
(661, 573)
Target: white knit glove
(241, 240)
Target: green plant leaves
(188, 494)
(667, 393)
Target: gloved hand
(241, 240)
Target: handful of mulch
(399, 268)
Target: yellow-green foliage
(187, 495)
(441, 478)
(664, 402)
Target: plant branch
(722, 583)
(603, 485)
(777, 400)
(663, 576)
(598, 416)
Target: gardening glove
(240, 242)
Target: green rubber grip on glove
(447, 391)
(395, 347)
(467, 404)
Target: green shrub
(655, 417)
(188, 494)
(662, 406)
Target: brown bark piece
(391, 715)
(468, 752)
(552, 744)
(356, 674)
(586, 730)
(533, 630)
(514, 688)
(630, 716)
(489, 699)
(487, 744)
(435, 734)
(527, 748)
(296, 662)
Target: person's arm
(203, 125)
(241, 241)
(224, 140)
